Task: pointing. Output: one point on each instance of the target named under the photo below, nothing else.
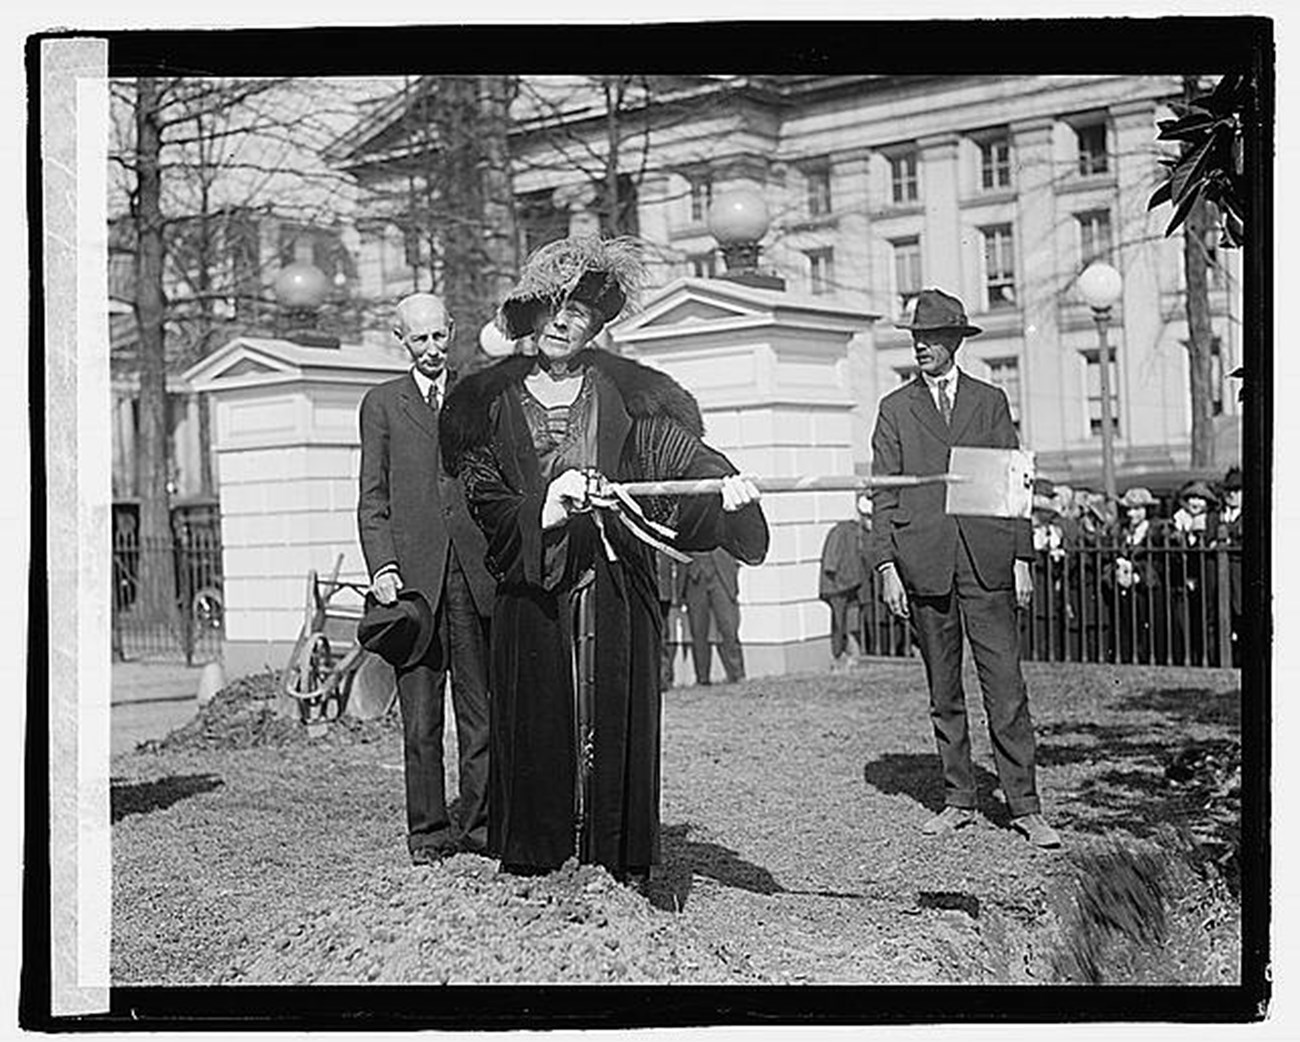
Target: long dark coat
(647, 427)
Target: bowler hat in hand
(936, 309)
(400, 632)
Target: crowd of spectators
(1135, 579)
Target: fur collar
(466, 418)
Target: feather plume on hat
(605, 274)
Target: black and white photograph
(786, 546)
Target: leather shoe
(1034, 828)
(950, 819)
(427, 855)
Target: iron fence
(167, 596)
(1157, 605)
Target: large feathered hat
(604, 274)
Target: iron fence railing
(1157, 605)
(167, 596)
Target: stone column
(287, 439)
(942, 235)
(769, 370)
(1045, 407)
(1154, 400)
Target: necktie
(433, 397)
(945, 402)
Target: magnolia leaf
(1183, 208)
(1163, 194)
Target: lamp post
(1101, 286)
(738, 219)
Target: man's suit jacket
(410, 511)
(704, 567)
(910, 525)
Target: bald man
(417, 533)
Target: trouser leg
(420, 699)
(839, 605)
(727, 613)
(936, 624)
(468, 642)
(990, 622)
(697, 611)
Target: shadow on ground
(1125, 764)
(682, 858)
(919, 776)
(126, 798)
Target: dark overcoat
(648, 427)
(910, 526)
(409, 510)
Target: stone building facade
(1000, 189)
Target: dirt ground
(245, 853)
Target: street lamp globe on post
(1101, 286)
(738, 219)
(300, 290)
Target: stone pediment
(692, 302)
(254, 360)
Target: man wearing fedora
(431, 593)
(948, 573)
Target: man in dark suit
(710, 589)
(944, 572)
(416, 532)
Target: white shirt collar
(424, 383)
(949, 378)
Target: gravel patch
(246, 851)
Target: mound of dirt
(244, 715)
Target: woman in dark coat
(574, 763)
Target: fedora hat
(936, 309)
(400, 632)
(1138, 496)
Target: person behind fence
(949, 573)
(845, 565)
(1194, 575)
(420, 544)
(537, 440)
(710, 589)
(1049, 575)
(1136, 592)
(1230, 526)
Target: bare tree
(195, 163)
(438, 171)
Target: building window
(701, 198)
(906, 373)
(821, 269)
(902, 178)
(703, 265)
(1092, 149)
(1092, 385)
(907, 273)
(1094, 236)
(819, 189)
(1005, 373)
(999, 267)
(995, 163)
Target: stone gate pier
(770, 371)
